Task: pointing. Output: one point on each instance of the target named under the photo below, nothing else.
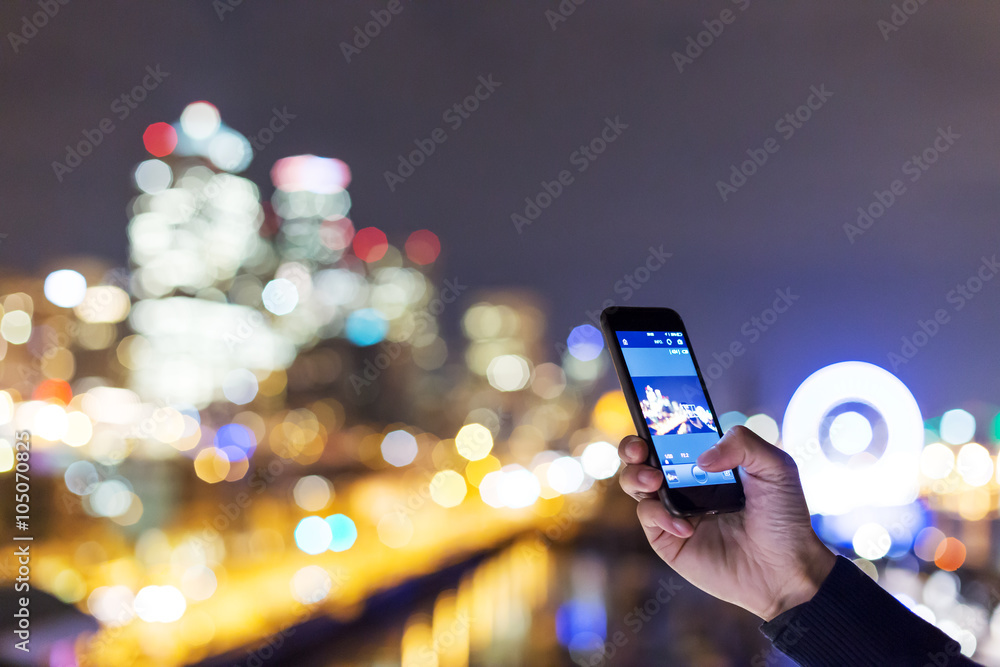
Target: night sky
(888, 96)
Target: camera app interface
(673, 404)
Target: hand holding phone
(766, 559)
(670, 407)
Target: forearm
(852, 621)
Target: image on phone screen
(673, 404)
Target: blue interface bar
(651, 339)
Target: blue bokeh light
(585, 342)
(366, 327)
(236, 435)
(344, 532)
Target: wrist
(813, 566)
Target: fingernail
(708, 457)
(681, 527)
(633, 450)
(649, 477)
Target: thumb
(741, 447)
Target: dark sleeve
(852, 621)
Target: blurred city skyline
(350, 380)
(656, 185)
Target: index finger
(633, 449)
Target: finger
(633, 449)
(741, 447)
(640, 480)
(655, 518)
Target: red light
(423, 246)
(57, 389)
(370, 244)
(160, 139)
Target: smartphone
(669, 402)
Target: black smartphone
(669, 403)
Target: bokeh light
(310, 173)
(366, 327)
(153, 176)
(937, 460)
(957, 426)
(200, 120)
(565, 474)
(950, 554)
(508, 372)
(280, 296)
(370, 244)
(474, 441)
(600, 460)
(477, 469)
(313, 493)
(517, 487)
(343, 532)
(199, 583)
(15, 327)
(764, 426)
(585, 342)
(926, 543)
(65, 288)
(160, 139)
(313, 535)
(423, 247)
(159, 604)
(448, 488)
(240, 386)
(872, 541)
(399, 448)
(850, 433)
(974, 464)
(727, 420)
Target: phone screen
(674, 405)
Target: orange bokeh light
(57, 389)
(950, 554)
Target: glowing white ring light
(837, 487)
